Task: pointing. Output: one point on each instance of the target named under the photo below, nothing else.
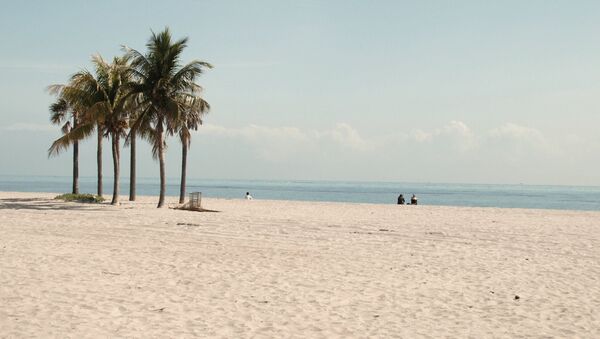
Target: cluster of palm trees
(147, 95)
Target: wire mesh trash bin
(195, 200)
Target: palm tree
(100, 135)
(192, 110)
(161, 84)
(61, 111)
(132, 170)
(143, 130)
(131, 142)
(106, 98)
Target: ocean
(476, 195)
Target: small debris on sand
(187, 224)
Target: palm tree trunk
(75, 162)
(76, 167)
(99, 160)
(184, 150)
(132, 167)
(116, 169)
(161, 162)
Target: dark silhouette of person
(400, 199)
(413, 200)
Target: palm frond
(55, 89)
(188, 73)
(75, 134)
(58, 111)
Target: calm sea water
(521, 196)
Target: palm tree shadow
(41, 204)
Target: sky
(419, 91)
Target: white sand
(282, 269)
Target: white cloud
(457, 128)
(510, 140)
(279, 143)
(421, 136)
(521, 141)
(451, 152)
(517, 132)
(455, 134)
(346, 136)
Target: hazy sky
(420, 91)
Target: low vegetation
(89, 198)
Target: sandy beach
(286, 269)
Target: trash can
(195, 199)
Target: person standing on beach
(248, 196)
(400, 199)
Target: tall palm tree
(161, 83)
(106, 98)
(132, 162)
(192, 111)
(100, 135)
(62, 112)
(142, 130)
(131, 142)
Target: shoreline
(505, 196)
(273, 268)
(173, 200)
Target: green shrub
(80, 197)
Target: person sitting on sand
(413, 200)
(248, 196)
(400, 199)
